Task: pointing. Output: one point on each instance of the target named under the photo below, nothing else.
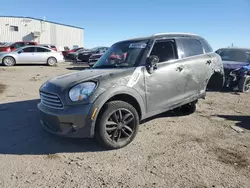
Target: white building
(18, 28)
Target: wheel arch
(125, 94)
(51, 57)
(216, 81)
(9, 56)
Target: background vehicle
(31, 54)
(8, 47)
(53, 47)
(135, 79)
(73, 56)
(66, 52)
(94, 58)
(84, 56)
(236, 63)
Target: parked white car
(31, 54)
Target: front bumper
(73, 121)
(92, 61)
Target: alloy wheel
(120, 125)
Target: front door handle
(208, 62)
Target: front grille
(51, 100)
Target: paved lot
(200, 150)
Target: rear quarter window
(189, 47)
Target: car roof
(47, 44)
(34, 47)
(167, 35)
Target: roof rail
(175, 33)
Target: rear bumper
(72, 122)
(61, 61)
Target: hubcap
(51, 61)
(8, 61)
(120, 125)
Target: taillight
(8, 49)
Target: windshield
(240, 55)
(94, 49)
(122, 54)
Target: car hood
(96, 55)
(233, 64)
(85, 53)
(5, 53)
(65, 81)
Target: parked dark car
(94, 58)
(66, 52)
(84, 56)
(8, 47)
(236, 63)
(73, 56)
(51, 46)
(150, 75)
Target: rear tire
(51, 61)
(244, 84)
(9, 61)
(117, 125)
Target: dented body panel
(174, 83)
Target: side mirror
(151, 63)
(20, 51)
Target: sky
(220, 22)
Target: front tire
(244, 84)
(51, 61)
(117, 125)
(9, 61)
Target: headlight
(81, 91)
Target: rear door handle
(208, 62)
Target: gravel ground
(200, 150)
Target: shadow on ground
(241, 121)
(171, 113)
(21, 133)
(77, 68)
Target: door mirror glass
(151, 63)
(20, 51)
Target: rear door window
(42, 49)
(164, 50)
(29, 50)
(190, 47)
